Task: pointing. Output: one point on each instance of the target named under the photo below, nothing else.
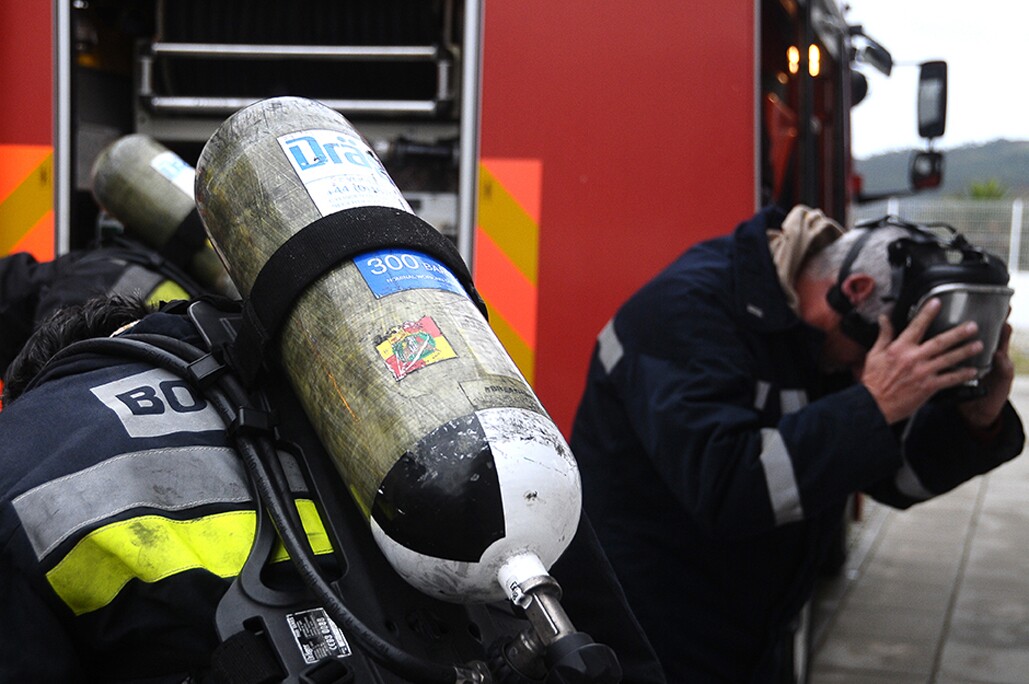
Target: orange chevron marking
(18, 162)
(505, 288)
(26, 199)
(39, 241)
(506, 256)
(506, 221)
(521, 179)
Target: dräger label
(390, 271)
(340, 171)
(171, 166)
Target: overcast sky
(986, 46)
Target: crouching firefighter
(266, 494)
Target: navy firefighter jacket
(717, 459)
(124, 516)
(30, 291)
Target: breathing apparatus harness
(258, 645)
(254, 653)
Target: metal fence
(994, 225)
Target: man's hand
(903, 373)
(981, 413)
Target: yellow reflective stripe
(166, 291)
(314, 527)
(149, 548)
(152, 548)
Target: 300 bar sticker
(390, 271)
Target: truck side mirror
(932, 99)
(926, 170)
(858, 87)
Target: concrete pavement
(938, 593)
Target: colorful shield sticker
(414, 345)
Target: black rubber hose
(239, 397)
(228, 393)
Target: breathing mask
(971, 284)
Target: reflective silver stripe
(610, 352)
(761, 394)
(294, 476)
(906, 480)
(136, 281)
(792, 400)
(782, 484)
(908, 484)
(167, 479)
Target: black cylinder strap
(318, 248)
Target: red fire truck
(570, 149)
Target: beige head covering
(804, 232)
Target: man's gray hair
(872, 260)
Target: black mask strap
(853, 324)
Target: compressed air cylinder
(149, 189)
(465, 479)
